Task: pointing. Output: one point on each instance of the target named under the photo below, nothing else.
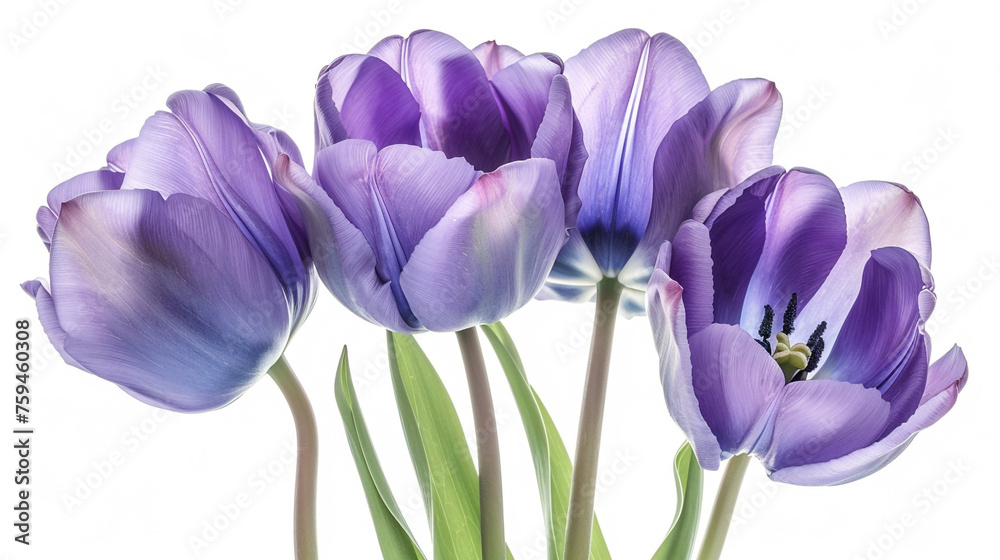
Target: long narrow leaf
(394, 536)
(688, 478)
(553, 468)
(440, 455)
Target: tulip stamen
(765, 328)
(788, 324)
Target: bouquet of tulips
(450, 187)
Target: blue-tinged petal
(575, 274)
(946, 379)
(165, 298)
(560, 138)
(878, 215)
(819, 420)
(724, 139)
(495, 58)
(806, 234)
(522, 89)
(345, 260)
(361, 96)
(120, 156)
(736, 382)
(628, 89)
(665, 304)
(100, 180)
(760, 185)
(904, 387)
(459, 114)
(882, 324)
(492, 250)
(691, 265)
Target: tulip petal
(49, 319)
(491, 252)
(880, 328)
(560, 138)
(344, 258)
(179, 309)
(575, 274)
(738, 237)
(495, 58)
(522, 89)
(628, 89)
(819, 420)
(460, 116)
(100, 180)
(878, 215)
(691, 266)
(947, 376)
(361, 96)
(806, 234)
(207, 150)
(665, 306)
(736, 382)
(721, 141)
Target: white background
(868, 86)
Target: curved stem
(580, 517)
(488, 446)
(307, 462)
(722, 511)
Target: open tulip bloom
(450, 187)
(789, 317)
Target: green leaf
(441, 458)
(688, 478)
(394, 536)
(553, 468)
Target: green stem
(488, 446)
(307, 462)
(722, 511)
(580, 517)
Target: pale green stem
(722, 511)
(487, 443)
(583, 489)
(307, 462)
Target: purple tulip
(658, 141)
(491, 105)
(177, 271)
(798, 335)
(412, 240)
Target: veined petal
(495, 58)
(878, 215)
(819, 420)
(459, 114)
(560, 138)
(629, 88)
(362, 97)
(345, 260)
(165, 298)
(522, 89)
(721, 141)
(575, 274)
(880, 328)
(665, 306)
(100, 180)
(806, 234)
(736, 382)
(691, 265)
(492, 250)
(947, 377)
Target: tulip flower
(179, 271)
(658, 140)
(789, 317)
(490, 105)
